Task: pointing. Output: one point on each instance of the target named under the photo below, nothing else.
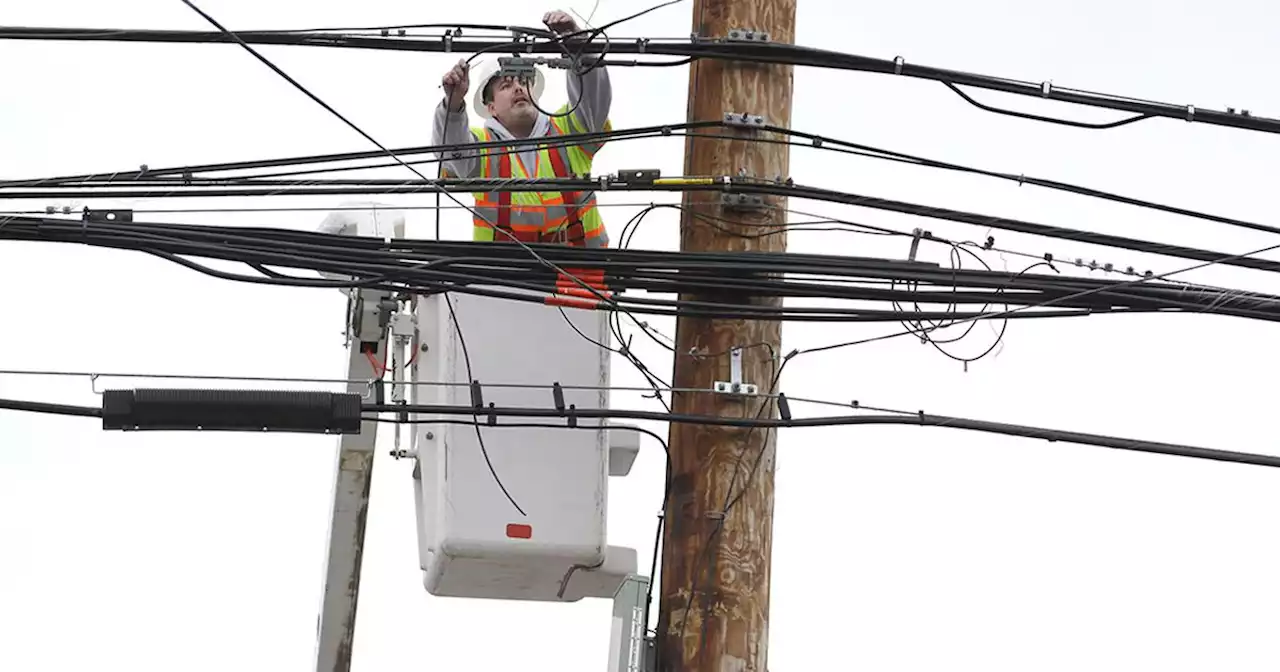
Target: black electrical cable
(484, 451)
(496, 147)
(684, 129)
(50, 409)
(921, 419)
(426, 266)
(760, 188)
(717, 47)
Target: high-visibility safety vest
(569, 218)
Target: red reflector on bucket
(517, 531)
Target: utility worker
(507, 106)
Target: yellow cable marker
(663, 181)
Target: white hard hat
(487, 72)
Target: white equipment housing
(472, 540)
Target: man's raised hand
(560, 22)
(456, 82)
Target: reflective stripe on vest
(544, 217)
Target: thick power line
(745, 46)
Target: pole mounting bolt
(734, 385)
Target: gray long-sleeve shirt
(597, 96)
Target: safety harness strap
(576, 234)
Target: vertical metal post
(368, 316)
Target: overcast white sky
(896, 548)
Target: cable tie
(784, 408)
(1046, 89)
(477, 396)
(493, 415)
(1191, 112)
(898, 62)
(557, 393)
(573, 415)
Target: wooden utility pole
(714, 598)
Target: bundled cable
(723, 283)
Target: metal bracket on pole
(746, 35)
(744, 120)
(745, 202)
(735, 385)
(631, 649)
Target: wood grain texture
(726, 630)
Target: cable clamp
(1046, 89)
(477, 395)
(743, 120)
(523, 67)
(448, 40)
(916, 234)
(493, 415)
(646, 176)
(557, 393)
(641, 44)
(107, 216)
(734, 385)
(1191, 112)
(733, 200)
(898, 62)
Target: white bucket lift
(473, 541)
